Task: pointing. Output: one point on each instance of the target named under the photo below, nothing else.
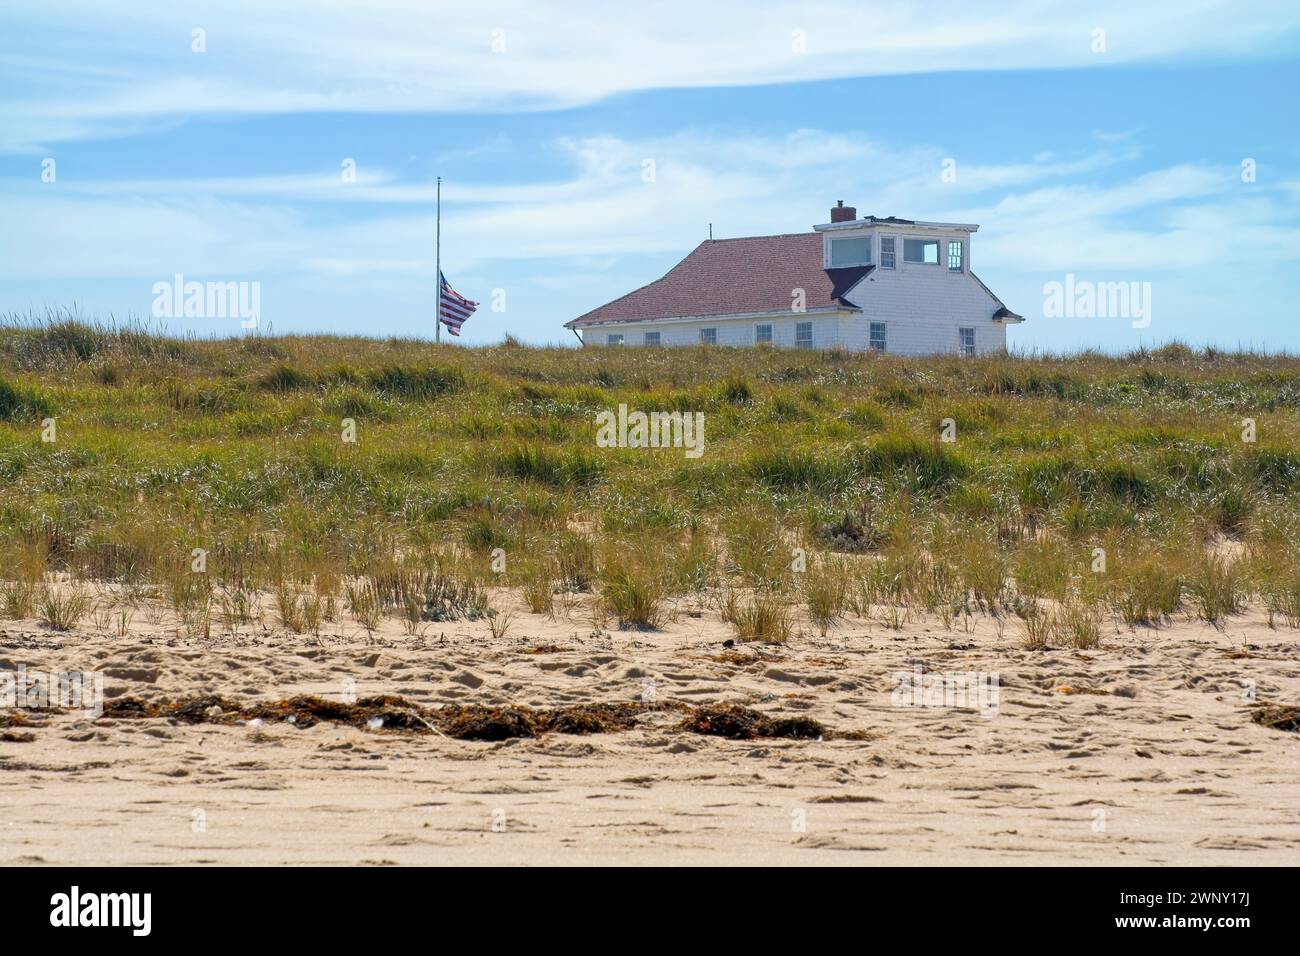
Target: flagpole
(437, 267)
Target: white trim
(724, 317)
(870, 323)
(893, 252)
(871, 222)
(771, 331)
(961, 256)
(811, 333)
(962, 346)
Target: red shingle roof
(731, 276)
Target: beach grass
(362, 478)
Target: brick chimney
(843, 213)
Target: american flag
(455, 307)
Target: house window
(924, 251)
(886, 252)
(803, 335)
(966, 341)
(763, 334)
(652, 338)
(613, 339)
(850, 252)
(954, 255)
(877, 341)
(708, 336)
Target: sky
(586, 147)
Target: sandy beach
(1139, 752)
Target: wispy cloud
(84, 69)
(1041, 216)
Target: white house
(889, 285)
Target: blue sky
(1112, 156)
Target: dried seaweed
(392, 712)
(471, 721)
(741, 723)
(1278, 717)
(594, 718)
(476, 722)
(130, 708)
(197, 709)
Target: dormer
(893, 244)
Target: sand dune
(1139, 752)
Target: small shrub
(415, 383)
(799, 468)
(237, 608)
(926, 464)
(486, 531)
(1042, 570)
(1079, 626)
(538, 592)
(18, 403)
(982, 569)
(1276, 469)
(1039, 624)
(1145, 589)
(576, 557)
(539, 463)
(764, 617)
(499, 624)
(364, 604)
(17, 599)
(634, 595)
(289, 608)
(756, 549)
(63, 608)
(694, 565)
(736, 391)
(865, 415)
(282, 377)
(1217, 589)
(1279, 588)
(825, 591)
